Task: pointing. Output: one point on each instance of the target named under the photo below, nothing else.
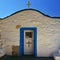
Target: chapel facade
(30, 32)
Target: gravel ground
(25, 58)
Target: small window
(28, 34)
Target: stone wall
(48, 31)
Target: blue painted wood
(35, 42)
(21, 42)
(22, 39)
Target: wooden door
(28, 42)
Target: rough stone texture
(48, 31)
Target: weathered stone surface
(48, 31)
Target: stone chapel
(29, 32)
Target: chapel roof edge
(33, 10)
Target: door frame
(21, 50)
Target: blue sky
(48, 7)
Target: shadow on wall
(54, 53)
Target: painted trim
(22, 40)
(35, 42)
(32, 10)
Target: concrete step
(57, 57)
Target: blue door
(28, 41)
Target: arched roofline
(33, 10)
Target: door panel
(28, 42)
